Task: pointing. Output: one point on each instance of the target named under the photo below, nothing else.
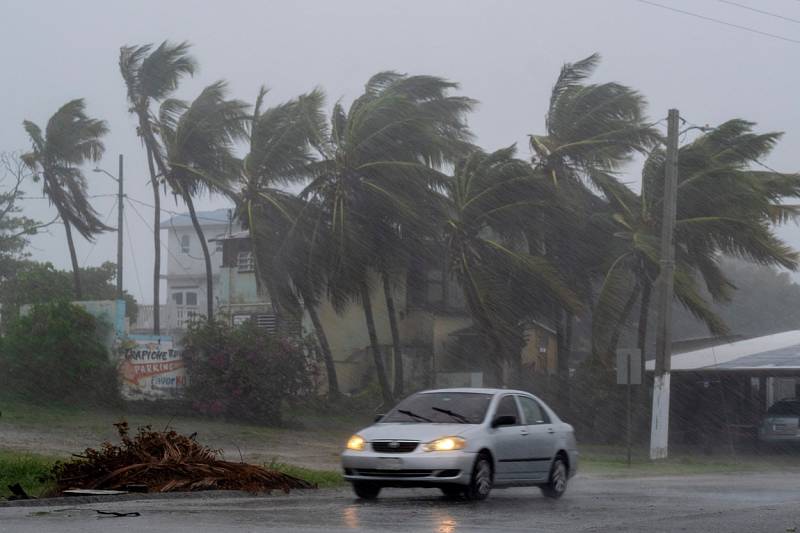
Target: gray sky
(505, 53)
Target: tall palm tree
(199, 140)
(70, 139)
(151, 75)
(281, 149)
(591, 130)
(380, 156)
(486, 207)
(724, 207)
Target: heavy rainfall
(355, 265)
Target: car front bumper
(415, 469)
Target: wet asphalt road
(708, 503)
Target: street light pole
(120, 207)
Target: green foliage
(244, 373)
(29, 282)
(323, 479)
(54, 354)
(31, 471)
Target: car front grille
(394, 446)
(374, 472)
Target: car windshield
(441, 408)
(785, 408)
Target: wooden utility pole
(659, 430)
(120, 207)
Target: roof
(780, 351)
(244, 234)
(477, 390)
(216, 217)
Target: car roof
(476, 390)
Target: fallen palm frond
(165, 461)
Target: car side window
(534, 413)
(508, 407)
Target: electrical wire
(722, 22)
(150, 227)
(133, 255)
(755, 10)
(175, 213)
(94, 244)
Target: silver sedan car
(465, 442)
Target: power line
(732, 147)
(175, 213)
(133, 255)
(755, 10)
(95, 241)
(147, 224)
(722, 22)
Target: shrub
(54, 354)
(244, 373)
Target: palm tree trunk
(76, 272)
(156, 244)
(398, 351)
(376, 349)
(564, 348)
(206, 256)
(322, 338)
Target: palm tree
(288, 263)
(380, 156)
(70, 139)
(490, 201)
(591, 131)
(151, 75)
(725, 207)
(199, 155)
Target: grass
(611, 461)
(322, 478)
(29, 470)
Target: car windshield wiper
(412, 414)
(461, 418)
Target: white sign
(151, 368)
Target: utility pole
(659, 430)
(120, 207)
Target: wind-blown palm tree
(151, 75)
(199, 140)
(488, 203)
(287, 262)
(380, 157)
(70, 139)
(591, 131)
(724, 207)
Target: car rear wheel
(557, 484)
(480, 485)
(366, 491)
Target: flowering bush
(243, 372)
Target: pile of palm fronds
(165, 461)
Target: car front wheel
(480, 484)
(366, 491)
(557, 484)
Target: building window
(543, 342)
(218, 244)
(177, 297)
(185, 244)
(245, 262)
(191, 298)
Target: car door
(510, 443)
(541, 439)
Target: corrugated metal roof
(777, 351)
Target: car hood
(420, 432)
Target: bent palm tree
(70, 139)
(724, 207)
(379, 157)
(281, 143)
(488, 203)
(151, 75)
(198, 141)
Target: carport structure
(720, 393)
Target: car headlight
(356, 443)
(446, 444)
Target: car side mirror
(504, 420)
(379, 417)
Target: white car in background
(464, 442)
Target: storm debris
(165, 461)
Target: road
(707, 503)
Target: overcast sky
(505, 53)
